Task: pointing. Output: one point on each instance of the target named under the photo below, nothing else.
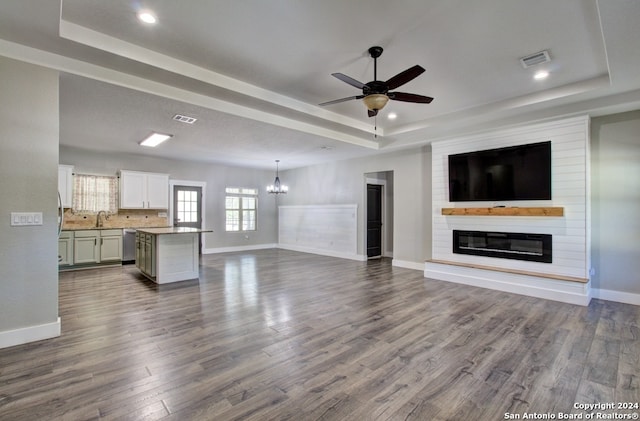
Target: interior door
(374, 220)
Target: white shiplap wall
(570, 189)
(322, 229)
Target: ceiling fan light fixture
(375, 102)
(376, 94)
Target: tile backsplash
(125, 218)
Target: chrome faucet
(99, 221)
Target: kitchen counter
(172, 230)
(169, 254)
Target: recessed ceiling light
(542, 74)
(392, 116)
(147, 17)
(154, 139)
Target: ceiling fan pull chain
(375, 126)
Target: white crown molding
(92, 71)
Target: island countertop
(172, 230)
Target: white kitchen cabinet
(65, 248)
(158, 191)
(97, 246)
(65, 184)
(143, 190)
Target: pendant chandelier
(277, 187)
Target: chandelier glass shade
(277, 187)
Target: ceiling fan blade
(404, 77)
(335, 101)
(372, 113)
(347, 79)
(403, 96)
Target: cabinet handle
(95, 241)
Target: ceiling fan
(375, 94)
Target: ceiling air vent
(184, 119)
(534, 59)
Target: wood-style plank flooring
(281, 335)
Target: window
(241, 208)
(188, 206)
(94, 193)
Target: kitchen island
(168, 254)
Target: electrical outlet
(26, 218)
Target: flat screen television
(520, 172)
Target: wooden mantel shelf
(505, 211)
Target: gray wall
(217, 177)
(615, 186)
(343, 182)
(28, 183)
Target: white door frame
(383, 183)
(189, 183)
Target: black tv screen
(520, 172)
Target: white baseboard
(238, 248)
(533, 286)
(407, 265)
(617, 296)
(29, 334)
(323, 252)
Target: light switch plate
(19, 219)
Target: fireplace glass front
(506, 245)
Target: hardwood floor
(280, 335)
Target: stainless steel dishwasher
(128, 246)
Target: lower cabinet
(85, 247)
(65, 248)
(169, 254)
(145, 253)
(97, 246)
(111, 245)
(139, 250)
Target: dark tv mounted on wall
(521, 172)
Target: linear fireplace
(506, 245)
